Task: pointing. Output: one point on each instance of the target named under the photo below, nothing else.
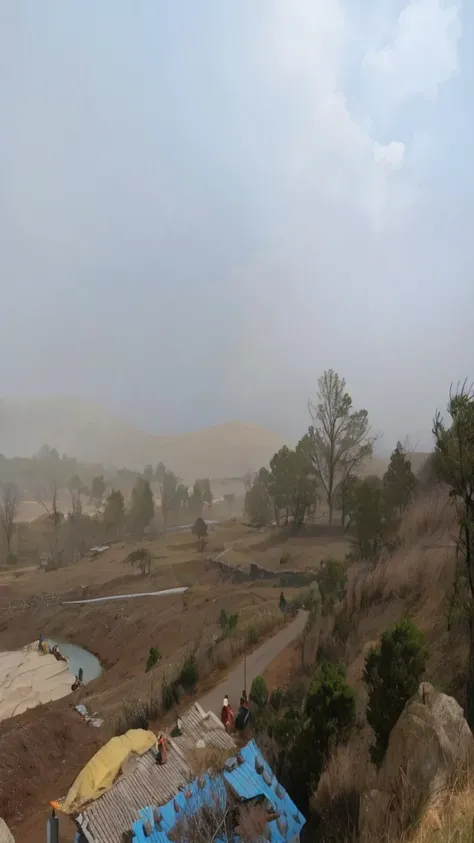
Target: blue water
(78, 657)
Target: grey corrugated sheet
(151, 784)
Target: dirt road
(256, 664)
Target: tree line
(323, 469)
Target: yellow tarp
(101, 771)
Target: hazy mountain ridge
(93, 434)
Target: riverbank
(29, 678)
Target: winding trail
(256, 664)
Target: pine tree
(399, 481)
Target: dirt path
(256, 664)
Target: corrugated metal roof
(105, 820)
(246, 783)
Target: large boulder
(430, 742)
(5, 834)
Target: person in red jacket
(227, 715)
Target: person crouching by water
(78, 681)
(227, 715)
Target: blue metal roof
(207, 791)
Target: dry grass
(336, 800)
(415, 581)
(208, 758)
(450, 820)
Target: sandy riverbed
(28, 679)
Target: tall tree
(114, 512)
(339, 439)
(257, 504)
(196, 501)
(168, 484)
(98, 489)
(282, 482)
(399, 481)
(455, 461)
(142, 506)
(206, 491)
(76, 489)
(371, 520)
(10, 500)
(148, 473)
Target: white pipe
(180, 590)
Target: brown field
(54, 737)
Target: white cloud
(422, 53)
(392, 153)
(358, 246)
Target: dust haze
(202, 210)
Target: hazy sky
(205, 204)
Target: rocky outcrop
(5, 834)
(430, 742)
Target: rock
(429, 743)
(5, 834)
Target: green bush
(285, 729)
(331, 706)
(188, 675)
(153, 656)
(331, 578)
(392, 674)
(169, 695)
(330, 715)
(228, 622)
(259, 692)
(252, 636)
(276, 699)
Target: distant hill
(93, 434)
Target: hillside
(92, 434)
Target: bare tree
(339, 439)
(56, 518)
(10, 499)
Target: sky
(205, 205)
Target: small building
(111, 816)
(151, 803)
(245, 797)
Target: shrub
(153, 656)
(188, 675)
(286, 728)
(392, 674)
(331, 706)
(169, 695)
(228, 622)
(276, 699)
(259, 692)
(252, 636)
(331, 578)
(330, 709)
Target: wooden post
(245, 673)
